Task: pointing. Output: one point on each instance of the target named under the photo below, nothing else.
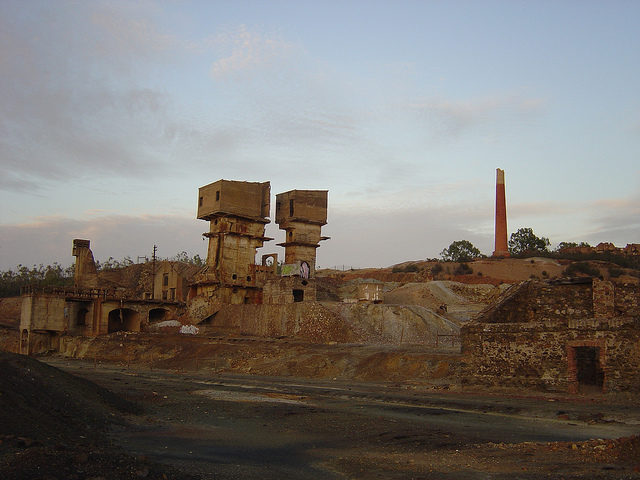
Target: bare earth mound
(53, 425)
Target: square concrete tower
(237, 213)
(302, 213)
(232, 198)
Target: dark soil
(53, 425)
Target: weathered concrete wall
(170, 283)
(535, 354)
(43, 312)
(280, 290)
(244, 199)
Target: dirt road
(227, 427)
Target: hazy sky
(114, 113)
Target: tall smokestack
(501, 249)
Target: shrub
(583, 268)
(436, 269)
(412, 267)
(615, 272)
(463, 269)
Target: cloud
(615, 220)
(72, 106)
(48, 240)
(383, 238)
(245, 51)
(360, 237)
(456, 117)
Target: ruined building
(91, 307)
(301, 214)
(85, 274)
(570, 335)
(237, 213)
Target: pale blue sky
(114, 113)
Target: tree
(525, 241)
(563, 245)
(460, 251)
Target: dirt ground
(177, 424)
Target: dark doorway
(124, 319)
(157, 315)
(298, 295)
(81, 318)
(588, 369)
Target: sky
(114, 113)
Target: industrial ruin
(237, 213)
(508, 322)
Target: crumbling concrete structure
(573, 335)
(87, 309)
(85, 274)
(301, 214)
(237, 213)
(171, 281)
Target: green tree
(460, 251)
(525, 241)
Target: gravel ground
(242, 426)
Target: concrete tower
(501, 248)
(302, 213)
(237, 213)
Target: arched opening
(124, 319)
(157, 315)
(81, 317)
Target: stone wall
(627, 300)
(535, 354)
(531, 337)
(541, 301)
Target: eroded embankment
(271, 357)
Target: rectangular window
(217, 195)
(291, 208)
(200, 201)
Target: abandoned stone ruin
(503, 325)
(568, 335)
